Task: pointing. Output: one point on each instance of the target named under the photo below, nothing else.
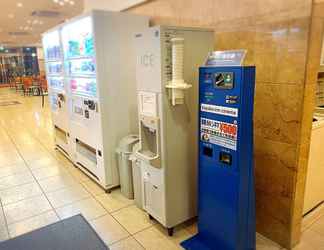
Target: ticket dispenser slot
(226, 175)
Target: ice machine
(167, 87)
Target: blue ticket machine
(226, 209)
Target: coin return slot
(225, 158)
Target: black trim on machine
(88, 171)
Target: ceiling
(18, 26)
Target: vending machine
(58, 91)
(99, 61)
(167, 87)
(226, 205)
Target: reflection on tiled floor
(39, 186)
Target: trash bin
(137, 177)
(124, 151)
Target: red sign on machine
(219, 133)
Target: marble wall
(275, 32)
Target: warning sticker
(220, 110)
(219, 133)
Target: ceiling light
(19, 5)
(35, 21)
(61, 3)
(72, 2)
(41, 22)
(55, 1)
(28, 21)
(11, 15)
(21, 27)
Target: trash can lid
(126, 144)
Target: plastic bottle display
(84, 86)
(82, 67)
(81, 46)
(56, 83)
(54, 68)
(53, 52)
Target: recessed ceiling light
(41, 22)
(55, 1)
(35, 21)
(61, 3)
(19, 5)
(72, 2)
(11, 15)
(28, 21)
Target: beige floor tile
(79, 175)
(155, 238)
(126, 244)
(67, 196)
(13, 169)
(312, 217)
(19, 193)
(89, 208)
(43, 162)
(263, 243)
(93, 187)
(310, 240)
(43, 173)
(114, 201)
(191, 226)
(109, 229)
(32, 223)
(10, 158)
(133, 219)
(25, 209)
(16, 180)
(3, 226)
(58, 182)
(318, 226)
(35, 155)
(3, 233)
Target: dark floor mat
(9, 103)
(74, 233)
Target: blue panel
(226, 179)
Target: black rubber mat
(74, 233)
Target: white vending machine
(168, 59)
(58, 92)
(100, 61)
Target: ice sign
(226, 58)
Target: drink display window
(84, 67)
(56, 82)
(78, 39)
(54, 68)
(52, 47)
(84, 86)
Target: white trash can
(137, 177)
(124, 151)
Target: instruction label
(219, 133)
(220, 110)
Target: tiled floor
(38, 186)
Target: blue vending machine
(226, 216)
